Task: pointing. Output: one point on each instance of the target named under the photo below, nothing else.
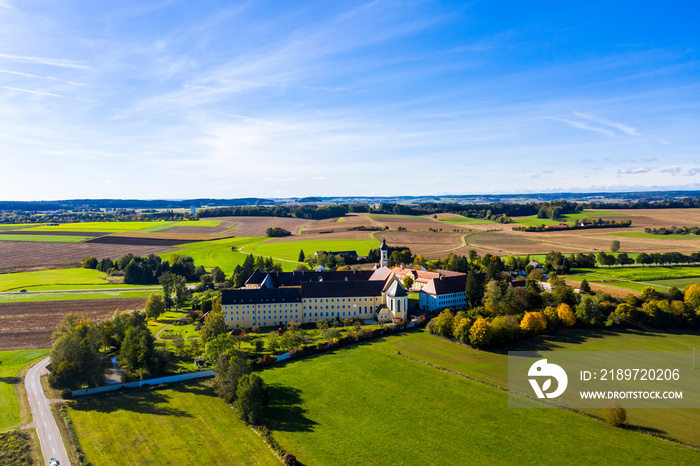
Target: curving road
(49, 436)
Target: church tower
(384, 251)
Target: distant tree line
(579, 225)
(673, 231)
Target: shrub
(289, 459)
(66, 393)
(615, 416)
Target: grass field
(75, 276)
(45, 238)
(568, 219)
(104, 226)
(464, 220)
(347, 408)
(216, 253)
(14, 361)
(69, 296)
(289, 250)
(186, 424)
(492, 366)
(18, 226)
(642, 273)
(641, 234)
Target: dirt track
(30, 325)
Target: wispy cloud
(60, 62)
(581, 125)
(620, 126)
(29, 75)
(633, 171)
(672, 170)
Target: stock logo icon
(544, 369)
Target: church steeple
(384, 254)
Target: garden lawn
(75, 276)
(492, 366)
(14, 361)
(185, 424)
(289, 250)
(215, 253)
(45, 238)
(368, 405)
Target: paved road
(49, 436)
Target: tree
(89, 263)
(474, 290)
(480, 333)
(692, 295)
(462, 325)
(505, 329)
(648, 293)
(214, 324)
(155, 306)
(252, 397)
(75, 356)
(614, 246)
(533, 322)
(566, 315)
(182, 293)
(444, 323)
(138, 356)
(588, 311)
(585, 287)
(218, 275)
(166, 281)
(259, 345)
(227, 372)
(408, 282)
(302, 257)
(218, 345)
(615, 416)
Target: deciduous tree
(155, 306)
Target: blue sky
(179, 99)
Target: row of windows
(338, 300)
(252, 306)
(270, 311)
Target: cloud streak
(60, 62)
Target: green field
(641, 234)
(70, 296)
(642, 273)
(14, 361)
(568, 219)
(464, 220)
(185, 424)
(369, 405)
(102, 226)
(185, 223)
(73, 277)
(45, 238)
(18, 226)
(492, 367)
(289, 250)
(216, 253)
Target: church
(278, 298)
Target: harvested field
(430, 245)
(18, 256)
(256, 226)
(30, 325)
(198, 230)
(141, 241)
(54, 233)
(333, 224)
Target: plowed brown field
(30, 325)
(16, 256)
(256, 226)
